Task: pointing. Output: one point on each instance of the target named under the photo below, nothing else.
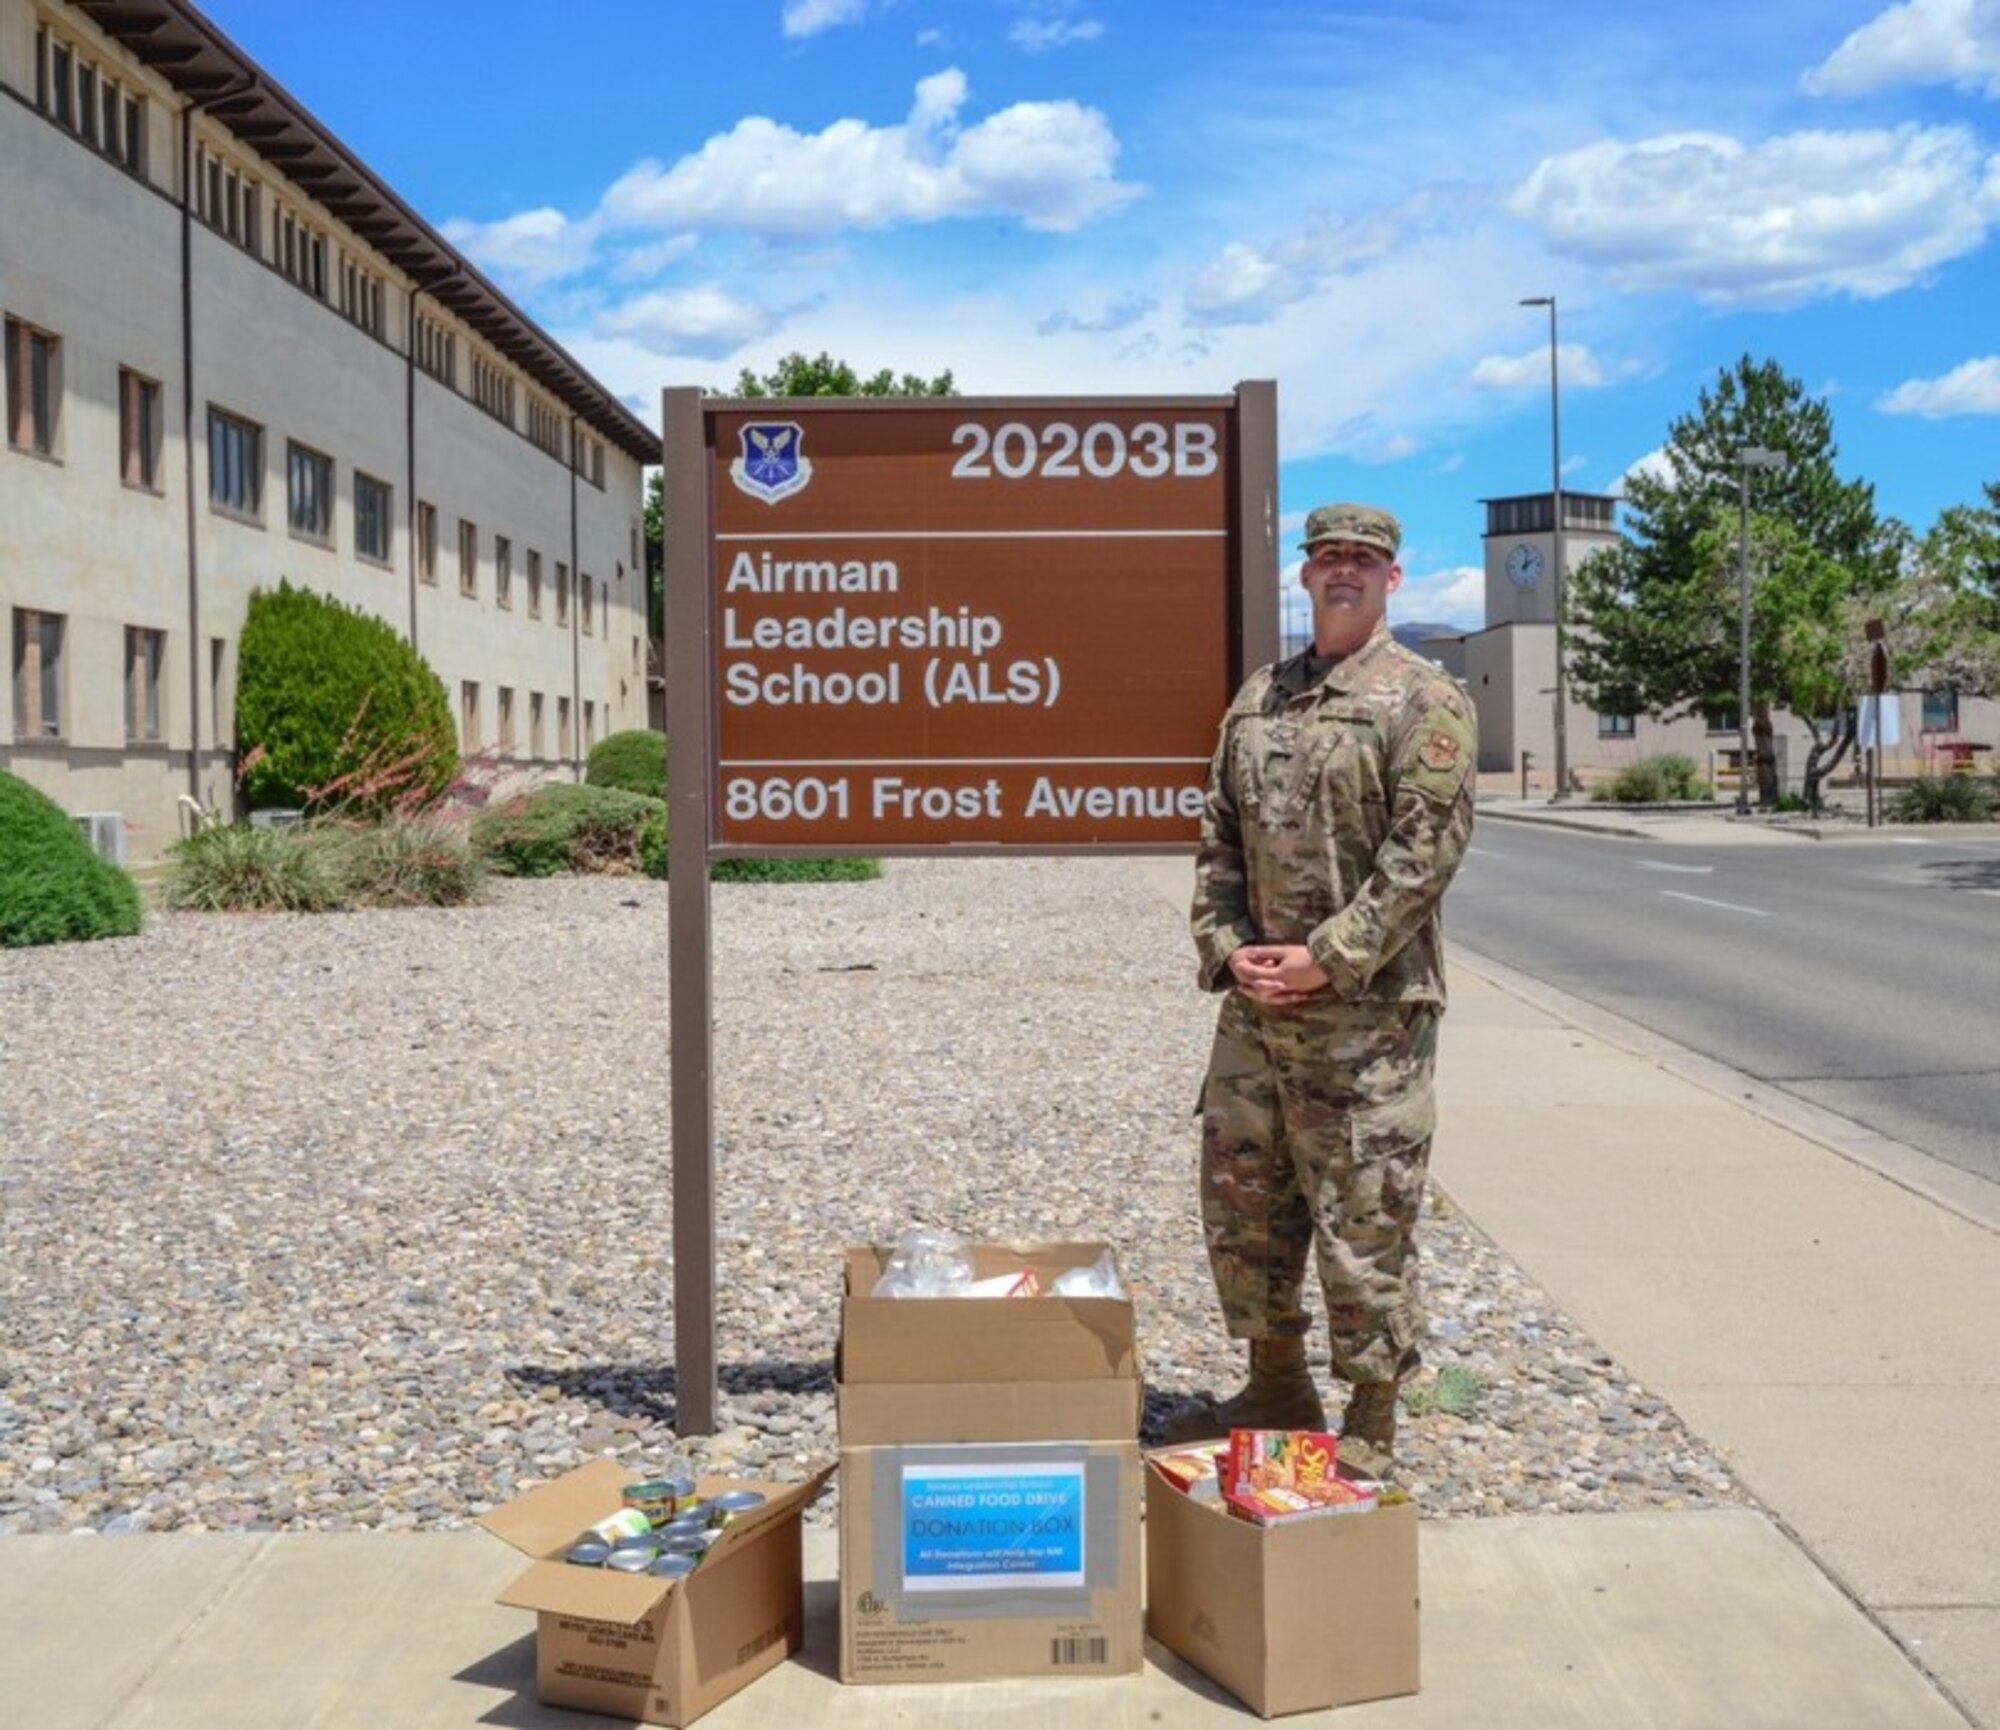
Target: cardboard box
(1004, 1339)
(633, 1646)
(968, 1562)
(1290, 1617)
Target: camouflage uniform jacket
(1339, 805)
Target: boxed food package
(1290, 1616)
(966, 1562)
(1273, 1475)
(636, 1646)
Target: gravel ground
(362, 1221)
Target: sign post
(938, 625)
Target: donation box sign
(951, 622)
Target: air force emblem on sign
(773, 464)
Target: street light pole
(1556, 550)
(1748, 457)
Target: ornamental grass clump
(424, 861)
(1663, 780)
(53, 887)
(1945, 799)
(241, 868)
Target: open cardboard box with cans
(636, 1646)
(989, 1469)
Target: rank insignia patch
(1440, 751)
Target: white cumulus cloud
(1970, 388)
(1051, 164)
(809, 17)
(1919, 42)
(1037, 36)
(1577, 365)
(1793, 219)
(706, 321)
(527, 249)
(1455, 595)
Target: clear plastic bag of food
(926, 1262)
(1099, 1280)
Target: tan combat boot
(1278, 1396)
(1368, 1431)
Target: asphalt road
(1863, 976)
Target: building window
(235, 466)
(427, 542)
(506, 719)
(227, 199)
(545, 426)
(82, 96)
(562, 593)
(635, 655)
(216, 654)
(589, 722)
(299, 250)
(309, 494)
(145, 654)
(1940, 712)
(563, 745)
(139, 430)
(503, 571)
(437, 350)
(492, 389)
(34, 388)
(374, 511)
(534, 584)
(1720, 720)
(468, 557)
(360, 294)
(1615, 727)
(38, 646)
(468, 714)
(584, 590)
(535, 724)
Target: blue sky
(1052, 196)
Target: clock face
(1524, 566)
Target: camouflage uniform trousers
(1316, 1137)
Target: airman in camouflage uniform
(1339, 805)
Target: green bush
(1657, 780)
(238, 868)
(405, 862)
(53, 888)
(563, 827)
(634, 761)
(334, 709)
(1944, 799)
(796, 870)
(653, 844)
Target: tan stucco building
(1510, 664)
(234, 355)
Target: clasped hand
(1276, 973)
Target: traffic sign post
(939, 625)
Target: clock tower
(1520, 551)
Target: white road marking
(1662, 865)
(1726, 906)
(1483, 853)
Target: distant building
(233, 355)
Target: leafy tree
(1655, 618)
(334, 708)
(1942, 625)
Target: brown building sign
(957, 622)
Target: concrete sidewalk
(1826, 1329)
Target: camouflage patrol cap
(1369, 524)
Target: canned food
(626, 1523)
(588, 1553)
(631, 1561)
(729, 1503)
(649, 1541)
(694, 1521)
(659, 1499)
(686, 1543)
(672, 1567)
